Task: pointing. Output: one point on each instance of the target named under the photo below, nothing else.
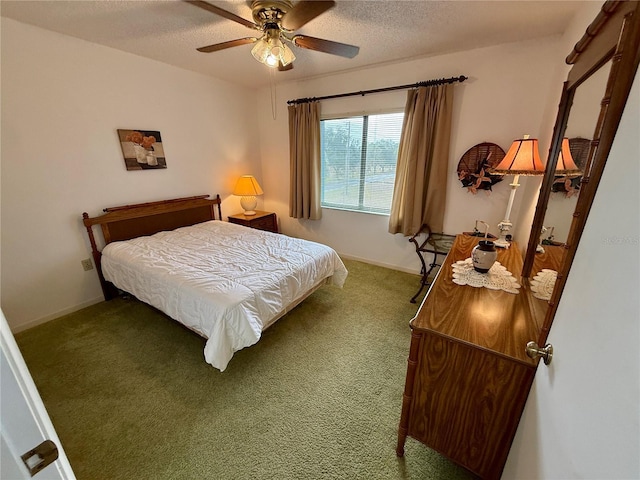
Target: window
(359, 156)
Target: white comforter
(226, 282)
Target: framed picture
(142, 149)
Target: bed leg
(110, 291)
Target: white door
(24, 420)
(582, 418)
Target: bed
(226, 282)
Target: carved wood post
(407, 396)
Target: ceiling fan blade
(223, 13)
(326, 46)
(303, 12)
(284, 68)
(229, 44)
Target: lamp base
(248, 203)
(502, 243)
(504, 227)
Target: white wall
(582, 418)
(504, 98)
(62, 101)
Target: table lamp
(522, 158)
(566, 165)
(567, 172)
(247, 187)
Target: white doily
(497, 278)
(543, 283)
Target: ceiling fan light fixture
(287, 56)
(261, 50)
(275, 52)
(276, 19)
(271, 61)
(272, 52)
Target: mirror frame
(613, 35)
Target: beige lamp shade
(522, 158)
(566, 164)
(248, 187)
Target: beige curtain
(421, 174)
(304, 154)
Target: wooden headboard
(131, 221)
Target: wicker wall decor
(474, 164)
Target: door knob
(41, 456)
(534, 351)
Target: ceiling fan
(277, 21)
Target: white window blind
(359, 156)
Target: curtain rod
(428, 83)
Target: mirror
(604, 64)
(579, 131)
(565, 189)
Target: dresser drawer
(260, 221)
(266, 223)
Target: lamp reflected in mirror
(568, 174)
(566, 165)
(567, 180)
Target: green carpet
(318, 397)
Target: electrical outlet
(86, 264)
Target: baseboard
(52, 316)
(380, 264)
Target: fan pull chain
(272, 87)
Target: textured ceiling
(385, 31)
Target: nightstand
(261, 221)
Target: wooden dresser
(468, 376)
(551, 258)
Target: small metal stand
(434, 243)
